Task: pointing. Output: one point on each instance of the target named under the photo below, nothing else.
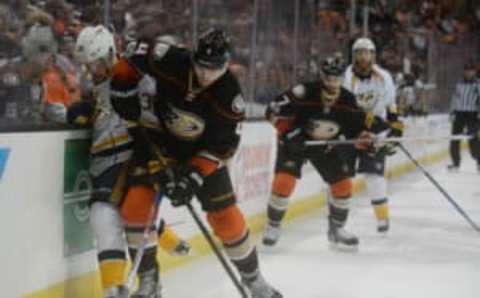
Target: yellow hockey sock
(168, 240)
(382, 211)
(113, 273)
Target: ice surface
(430, 250)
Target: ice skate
(149, 286)
(116, 292)
(383, 225)
(259, 288)
(342, 239)
(272, 234)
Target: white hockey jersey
(111, 142)
(374, 94)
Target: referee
(464, 109)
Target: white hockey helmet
(364, 43)
(94, 43)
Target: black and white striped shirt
(466, 97)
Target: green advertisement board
(78, 237)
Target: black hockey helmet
(333, 66)
(213, 49)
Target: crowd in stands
(39, 77)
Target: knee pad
(283, 184)
(108, 229)
(376, 186)
(228, 224)
(341, 189)
(137, 205)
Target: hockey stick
(386, 140)
(440, 188)
(150, 225)
(217, 251)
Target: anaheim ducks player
(113, 169)
(375, 92)
(200, 105)
(316, 111)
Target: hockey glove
(81, 113)
(396, 131)
(366, 139)
(294, 142)
(187, 183)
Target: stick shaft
(397, 140)
(441, 189)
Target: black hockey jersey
(194, 120)
(302, 107)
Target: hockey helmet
(363, 43)
(213, 49)
(94, 43)
(363, 56)
(333, 66)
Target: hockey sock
(338, 211)
(167, 238)
(381, 208)
(112, 268)
(243, 255)
(230, 227)
(277, 208)
(149, 260)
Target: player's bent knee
(342, 188)
(107, 226)
(137, 205)
(376, 186)
(108, 229)
(228, 224)
(283, 184)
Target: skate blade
(343, 247)
(269, 243)
(382, 234)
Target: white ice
(430, 251)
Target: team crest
(323, 129)
(183, 124)
(367, 100)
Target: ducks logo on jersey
(183, 124)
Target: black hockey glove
(81, 113)
(294, 142)
(396, 131)
(187, 183)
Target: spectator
(57, 74)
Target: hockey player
(122, 188)
(375, 92)
(316, 111)
(200, 106)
